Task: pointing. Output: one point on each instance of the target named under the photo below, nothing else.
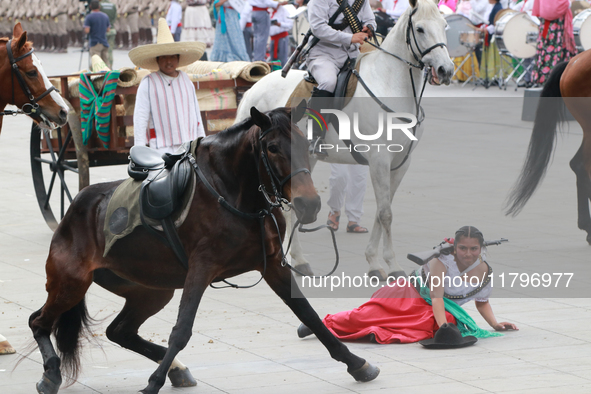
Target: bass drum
(300, 26)
(582, 30)
(456, 25)
(511, 33)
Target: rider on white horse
(339, 42)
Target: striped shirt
(169, 107)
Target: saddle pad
(304, 89)
(123, 211)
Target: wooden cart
(56, 150)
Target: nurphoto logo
(391, 126)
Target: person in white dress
(197, 25)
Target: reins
(420, 114)
(273, 201)
(32, 106)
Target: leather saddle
(342, 78)
(165, 179)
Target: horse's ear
(413, 3)
(298, 112)
(18, 30)
(260, 119)
(22, 40)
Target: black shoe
(304, 331)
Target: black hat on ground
(448, 337)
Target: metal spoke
(64, 186)
(69, 168)
(44, 161)
(52, 152)
(51, 183)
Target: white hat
(145, 56)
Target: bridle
(273, 201)
(420, 66)
(410, 29)
(32, 107)
(277, 184)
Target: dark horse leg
(283, 283)
(195, 285)
(577, 164)
(140, 304)
(65, 314)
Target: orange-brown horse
(572, 82)
(238, 164)
(23, 83)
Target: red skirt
(393, 315)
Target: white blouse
(459, 286)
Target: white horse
(417, 41)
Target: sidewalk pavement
(244, 341)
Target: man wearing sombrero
(166, 111)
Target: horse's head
(27, 86)
(286, 148)
(427, 40)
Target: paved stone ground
(244, 341)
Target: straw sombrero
(98, 64)
(145, 56)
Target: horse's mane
(427, 9)
(278, 117)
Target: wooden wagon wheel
(63, 165)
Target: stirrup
(315, 151)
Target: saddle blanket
(123, 211)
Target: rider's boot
(317, 101)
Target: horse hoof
(366, 373)
(380, 274)
(304, 331)
(47, 386)
(304, 269)
(181, 377)
(397, 274)
(6, 348)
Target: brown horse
(26, 85)
(572, 82)
(256, 154)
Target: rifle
(296, 53)
(342, 5)
(423, 258)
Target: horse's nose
(307, 208)
(63, 116)
(444, 74)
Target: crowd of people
(259, 30)
(555, 42)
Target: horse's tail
(68, 329)
(541, 145)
